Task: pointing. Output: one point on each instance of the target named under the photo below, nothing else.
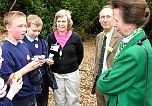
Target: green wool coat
(124, 82)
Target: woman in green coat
(125, 82)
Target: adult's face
(122, 27)
(62, 24)
(106, 18)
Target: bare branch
(12, 5)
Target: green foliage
(84, 13)
(4, 4)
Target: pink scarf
(62, 39)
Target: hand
(17, 75)
(34, 64)
(15, 86)
(2, 88)
(40, 58)
(49, 61)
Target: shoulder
(76, 35)
(7, 46)
(50, 35)
(100, 34)
(137, 52)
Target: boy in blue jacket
(38, 47)
(16, 55)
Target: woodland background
(85, 18)
(84, 13)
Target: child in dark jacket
(38, 47)
(17, 57)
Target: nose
(37, 32)
(114, 25)
(61, 23)
(24, 28)
(105, 18)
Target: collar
(31, 39)
(133, 41)
(125, 40)
(14, 43)
(109, 34)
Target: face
(1, 59)
(106, 18)
(33, 31)
(62, 24)
(122, 27)
(17, 29)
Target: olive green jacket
(114, 43)
(124, 82)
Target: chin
(120, 33)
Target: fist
(17, 76)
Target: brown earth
(86, 73)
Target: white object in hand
(51, 56)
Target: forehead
(19, 20)
(64, 17)
(35, 27)
(117, 13)
(106, 11)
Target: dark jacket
(68, 58)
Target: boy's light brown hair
(11, 15)
(34, 19)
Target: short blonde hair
(34, 19)
(11, 15)
(62, 13)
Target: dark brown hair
(133, 11)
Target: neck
(62, 33)
(130, 30)
(108, 30)
(33, 37)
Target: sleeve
(8, 65)
(79, 50)
(6, 102)
(96, 52)
(123, 74)
(45, 48)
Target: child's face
(33, 31)
(17, 28)
(1, 59)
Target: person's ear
(7, 27)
